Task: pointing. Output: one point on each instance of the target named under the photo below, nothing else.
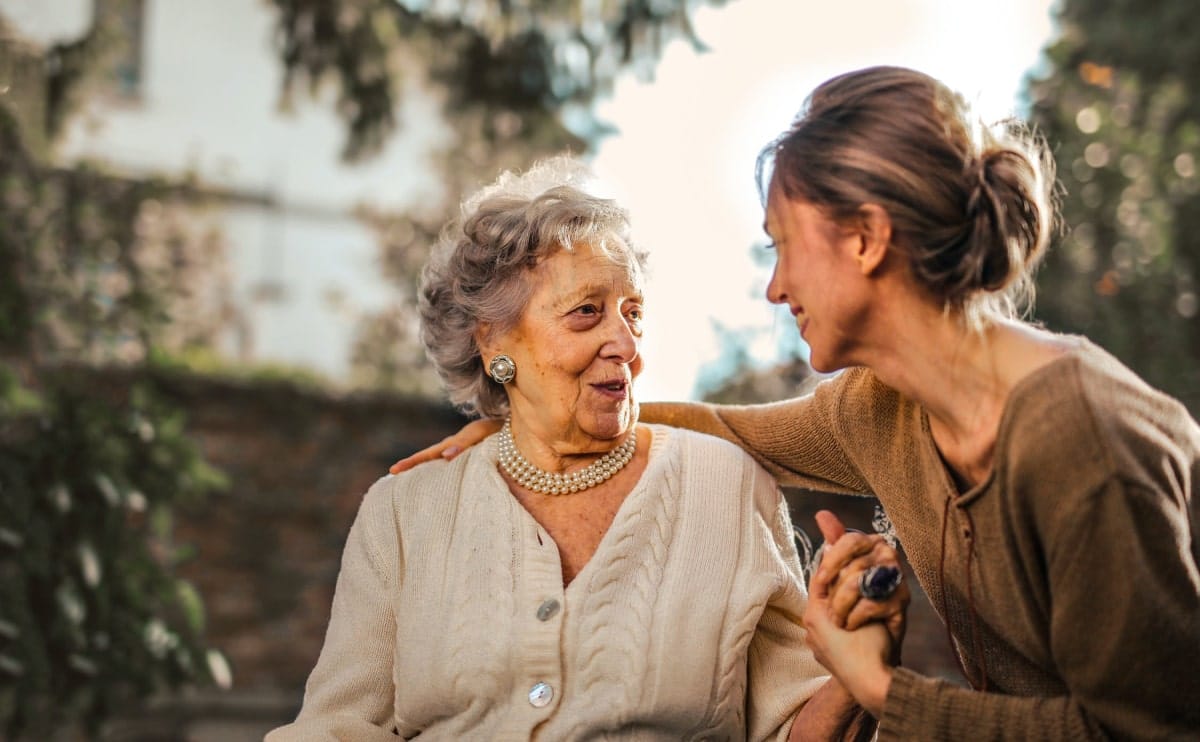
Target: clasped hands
(857, 639)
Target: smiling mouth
(801, 320)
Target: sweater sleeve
(349, 694)
(782, 673)
(796, 440)
(1124, 632)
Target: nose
(775, 292)
(622, 343)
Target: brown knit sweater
(1069, 578)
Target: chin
(612, 424)
(820, 366)
(823, 364)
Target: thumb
(830, 525)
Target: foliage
(99, 268)
(528, 57)
(94, 269)
(1119, 106)
(91, 614)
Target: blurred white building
(198, 95)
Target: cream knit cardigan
(685, 624)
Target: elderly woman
(578, 576)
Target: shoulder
(673, 441)
(1089, 415)
(688, 447)
(713, 466)
(1123, 405)
(1094, 399)
(427, 488)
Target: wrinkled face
(576, 348)
(817, 276)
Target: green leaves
(91, 613)
(529, 58)
(1118, 107)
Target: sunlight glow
(683, 160)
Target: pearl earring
(502, 369)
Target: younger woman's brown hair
(972, 207)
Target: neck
(539, 480)
(960, 376)
(954, 372)
(562, 453)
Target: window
(128, 20)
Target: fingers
(844, 584)
(835, 556)
(832, 529)
(847, 606)
(816, 623)
(890, 612)
(437, 450)
(837, 614)
(830, 525)
(898, 623)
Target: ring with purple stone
(879, 582)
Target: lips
(615, 388)
(801, 319)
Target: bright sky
(683, 162)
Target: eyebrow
(592, 289)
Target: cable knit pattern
(684, 624)
(1085, 539)
(621, 591)
(731, 679)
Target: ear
(875, 237)
(483, 340)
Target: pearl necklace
(551, 483)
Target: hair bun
(1008, 218)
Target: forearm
(697, 416)
(710, 420)
(925, 708)
(793, 439)
(832, 714)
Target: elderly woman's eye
(588, 309)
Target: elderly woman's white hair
(479, 272)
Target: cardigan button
(540, 695)
(547, 610)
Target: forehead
(775, 214)
(796, 215)
(587, 267)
